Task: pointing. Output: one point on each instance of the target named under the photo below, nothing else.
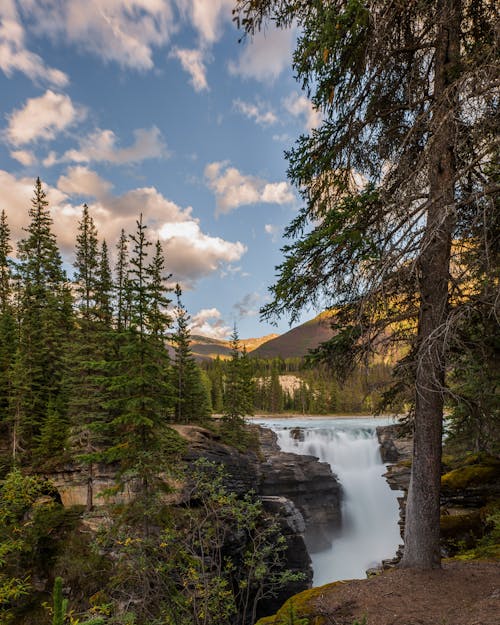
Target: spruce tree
(191, 397)
(45, 321)
(86, 265)
(139, 385)
(90, 349)
(235, 391)
(121, 284)
(8, 334)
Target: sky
(157, 107)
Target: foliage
(28, 517)
(208, 563)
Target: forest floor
(461, 593)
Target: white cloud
(42, 118)
(193, 62)
(192, 253)
(122, 31)
(82, 181)
(101, 146)
(15, 57)
(256, 112)
(25, 157)
(265, 55)
(301, 107)
(208, 322)
(233, 189)
(207, 16)
(277, 193)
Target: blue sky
(154, 106)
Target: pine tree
(45, 322)
(235, 389)
(86, 265)
(121, 289)
(89, 352)
(104, 292)
(275, 390)
(8, 334)
(141, 395)
(191, 398)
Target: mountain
(294, 343)
(207, 348)
(297, 341)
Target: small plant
(60, 608)
(60, 605)
(292, 617)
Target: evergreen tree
(121, 288)
(191, 399)
(45, 321)
(235, 389)
(86, 265)
(104, 291)
(141, 395)
(8, 333)
(215, 373)
(89, 352)
(158, 318)
(275, 390)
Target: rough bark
(421, 548)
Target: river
(369, 530)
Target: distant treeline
(290, 385)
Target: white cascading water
(369, 530)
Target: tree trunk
(422, 549)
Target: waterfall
(369, 531)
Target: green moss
(470, 475)
(303, 606)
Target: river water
(369, 530)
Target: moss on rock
(301, 606)
(470, 475)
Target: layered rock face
(396, 451)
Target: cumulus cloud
(256, 111)
(15, 56)
(42, 118)
(192, 254)
(301, 107)
(80, 181)
(122, 31)
(25, 157)
(265, 55)
(233, 189)
(207, 17)
(193, 62)
(208, 322)
(101, 146)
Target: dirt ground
(461, 593)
